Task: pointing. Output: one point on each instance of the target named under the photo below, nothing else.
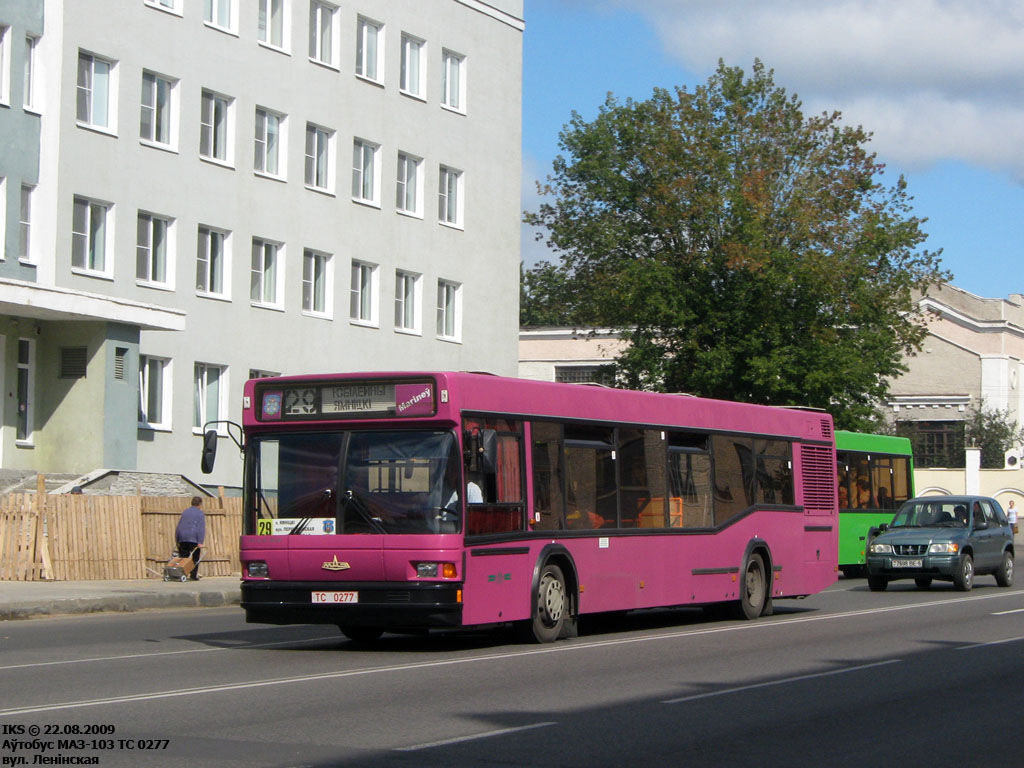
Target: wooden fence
(80, 537)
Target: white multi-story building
(196, 192)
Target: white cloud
(931, 79)
(531, 251)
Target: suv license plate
(906, 563)
(334, 597)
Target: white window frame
(208, 235)
(404, 189)
(414, 58)
(449, 310)
(152, 85)
(28, 97)
(323, 21)
(266, 274)
(366, 153)
(317, 283)
(148, 364)
(369, 49)
(318, 173)
(26, 251)
(88, 91)
(92, 239)
(5, 64)
(3, 225)
(201, 396)
(453, 95)
(214, 12)
(450, 182)
(363, 298)
(408, 300)
(216, 146)
(267, 29)
(25, 401)
(147, 225)
(270, 143)
(168, 6)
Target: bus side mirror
(209, 451)
(488, 451)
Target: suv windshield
(352, 482)
(948, 513)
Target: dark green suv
(951, 538)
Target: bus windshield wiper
(364, 512)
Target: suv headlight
(881, 549)
(944, 548)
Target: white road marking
(993, 642)
(783, 681)
(473, 737)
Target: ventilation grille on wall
(73, 362)
(120, 354)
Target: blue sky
(940, 84)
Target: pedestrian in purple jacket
(191, 534)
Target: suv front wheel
(963, 576)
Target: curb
(118, 603)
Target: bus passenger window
(547, 476)
(641, 461)
(689, 467)
(499, 507)
(590, 470)
(774, 471)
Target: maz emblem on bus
(335, 565)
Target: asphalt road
(849, 677)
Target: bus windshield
(353, 482)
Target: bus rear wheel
(552, 607)
(754, 588)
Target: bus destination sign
(345, 400)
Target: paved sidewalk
(31, 599)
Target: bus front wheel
(552, 607)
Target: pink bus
(405, 501)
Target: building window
(153, 234)
(89, 236)
(315, 282)
(935, 443)
(318, 153)
(29, 92)
(95, 91)
(164, 5)
(322, 18)
(263, 278)
(364, 171)
(267, 154)
(208, 400)
(449, 203)
(369, 49)
(363, 297)
(154, 392)
(409, 191)
(448, 310)
(258, 373)
(407, 302)
(211, 262)
(585, 374)
(5, 64)
(215, 128)
(25, 425)
(414, 71)
(25, 225)
(270, 24)
(453, 81)
(219, 13)
(155, 123)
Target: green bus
(875, 475)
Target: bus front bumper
(397, 605)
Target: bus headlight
(257, 569)
(881, 549)
(944, 548)
(435, 570)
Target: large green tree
(749, 251)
